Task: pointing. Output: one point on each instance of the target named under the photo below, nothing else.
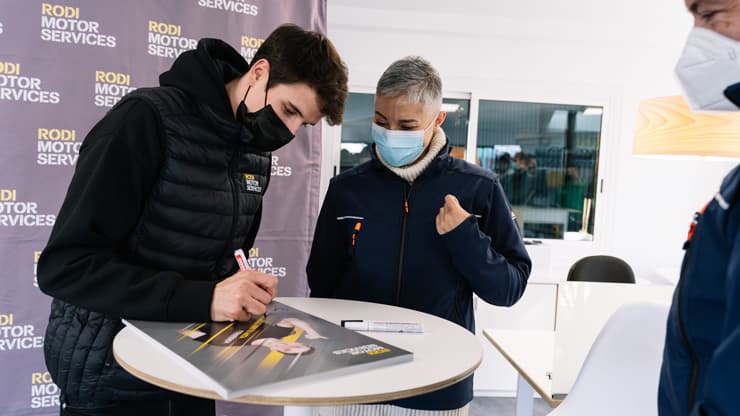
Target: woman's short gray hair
(414, 77)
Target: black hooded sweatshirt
(119, 162)
(88, 265)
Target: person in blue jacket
(415, 227)
(701, 359)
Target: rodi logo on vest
(62, 24)
(251, 183)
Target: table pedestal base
(524, 397)
(297, 411)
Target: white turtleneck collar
(410, 172)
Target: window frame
(606, 97)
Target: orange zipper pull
(354, 234)
(406, 206)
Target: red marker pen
(241, 259)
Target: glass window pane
(356, 141)
(455, 125)
(358, 116)
(546, 157)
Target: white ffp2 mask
(709, 63)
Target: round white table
(443, 355)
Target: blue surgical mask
(399, 147)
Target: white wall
(606, 52)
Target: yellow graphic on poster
(284, 344)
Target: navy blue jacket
(701, 360)
(395, 255)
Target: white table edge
(539, 389)
(295, 401)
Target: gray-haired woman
(417, 228)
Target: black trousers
(177, 406)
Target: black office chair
(606, 269)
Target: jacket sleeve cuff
(191, 301)
(461, 237)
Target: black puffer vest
(204, 205)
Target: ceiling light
(450, 108)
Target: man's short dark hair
(299, 55)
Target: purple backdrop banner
(63, 64)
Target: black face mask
(733, 93)
(269, 133)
